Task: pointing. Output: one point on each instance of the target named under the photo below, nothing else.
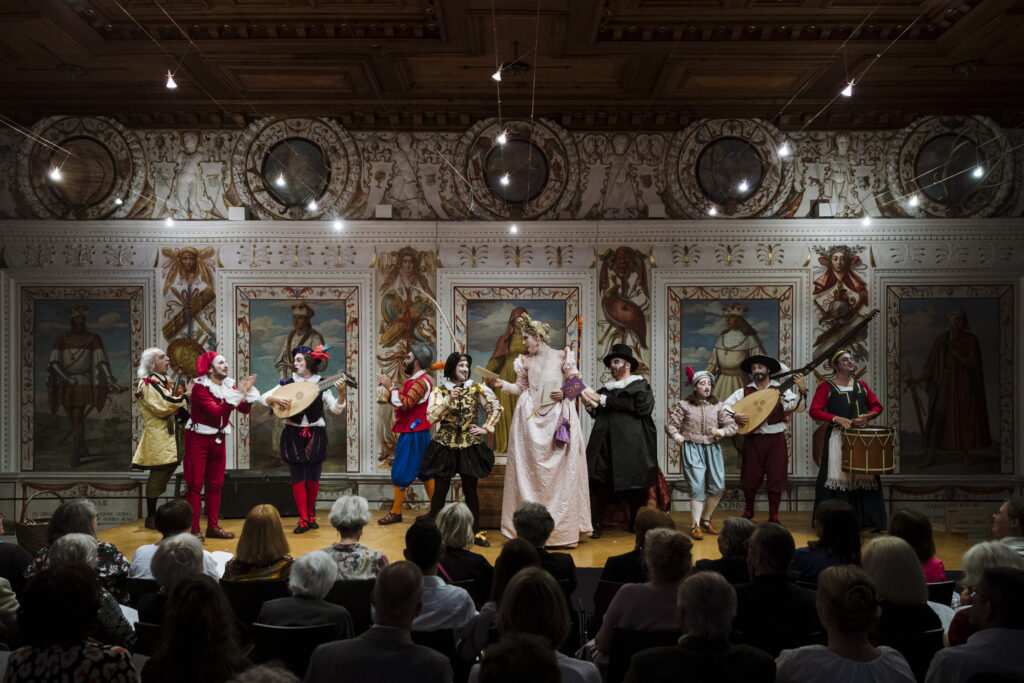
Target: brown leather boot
(218, 532)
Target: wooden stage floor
(391, 539)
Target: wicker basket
(31, 533)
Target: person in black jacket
(459, 563)
(622, 453)
(732, 543)
(534, 524)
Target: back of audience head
(534, 603)
(271, 672)
(999, 599)
(648, 518)
(838, 531)
(847, 600)
(312, 575)
(667, 555)
(895, 570)
(59, 605)
(533, 523)
(706, 606)
(349, 515)
(515, 555)
(770, 550)
(520, 657)
(173, 517)
(397, 594)
(423, 545)
(262, 540)
(456, 524)
(1009, 520)
(988, 555)
(73, 517)
(732, 542)
(914, 527)
(73, 549)
(177, 558)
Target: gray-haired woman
(460, 564)
(349, 515)
(311, 579)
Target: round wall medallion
(729, 165)
(315, 158)
(954, 166)
(533, 175)
(100, 161)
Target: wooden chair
(577, 622)
(443, 641)
(138, 588)
(603, 595)
(292, 645)
(247, 597)
(148, 637)
(941, 592)
(354, 595)
(627, 642)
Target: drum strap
(837, 478)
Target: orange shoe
(696, 534)
(708, 527)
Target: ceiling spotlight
(311, 207)
(514, 229)
(977, 172)
(744, 185)
(337, 224)
(504, 179)
(785, 150)
(171, 85)
(867, 220)
(169, 221)
(118, 201)
(848, 90)
(496, 75)
(915, 200)
(502, 138)
(712, 211)
(55, 174)
(280, 180)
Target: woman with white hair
(311, 579)
(164, 414)
(458, 563)
(349, 515)
(80, 550)
(732, 543)
(177, 558)
(976, 560)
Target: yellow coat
(156, 403)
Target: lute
(302, 394)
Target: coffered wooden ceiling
(587, 64)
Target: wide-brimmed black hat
(625, 353)
(767, 361)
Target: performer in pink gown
(542, 468)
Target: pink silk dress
(539, 469)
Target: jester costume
(163, 418)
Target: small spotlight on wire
(915, 200)
(171, 85)
(118, 201)
(785, 150)
(712, 211)
(977, 172)
(55, 174)
(311, 206)
(744, 185)
(496, 75)
(504, 179)
(169, 221)
(280, 180)
(514, 229)
(502, 138)
(337, 224)
(867, 220)
(848, 90)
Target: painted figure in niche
(80, 377)
(507, 349)
(840, 295)
(303, 334)
(737, 342)
(625, 298)
(957, 411)
(405, 192)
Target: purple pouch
(562, 433)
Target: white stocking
(695, 509)
(712, 503)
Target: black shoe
(313, 524)
(596, 533)
(481, 540)
(302, 527)
(747, 515)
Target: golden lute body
(302, 394)
(757, 407)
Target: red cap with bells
(205, 362)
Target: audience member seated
(385, 653)
(444, 606)
(773, 613)
(59, 607)
(915, 528)
(349, 515)
(520, 657)
(176, 558)
(705, 607)
(200, 641)
(534, 603)
(262, 552)
(172, 518)
(628, 567)
(976, 560)
(459, 564)
(79, 517)
(269, 672)
(838, 541)
(1008, 524)
(533, 523)
(14, 560)
(71, 550)
(649, 606)
(8, 615)
(311, 579)
(848, 609)
(998, 612)
(732, 543)
(516, 554)
(899, 581)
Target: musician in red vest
(763, 454)
(411, 425)
(214, 397)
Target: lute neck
(325, 383)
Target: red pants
(764, 455)
(204, 463)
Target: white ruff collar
(224, 390)
(451, 385)
(315, 379)
(622, 383)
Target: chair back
(627, 642)
(247, 597)
(603, 594)
(147, 637)
(354, 595)
(918, 648)
(138, 588)
(443, 641)
(941, 592)
(292, 645)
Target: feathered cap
(694, 377)
(320, 352)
